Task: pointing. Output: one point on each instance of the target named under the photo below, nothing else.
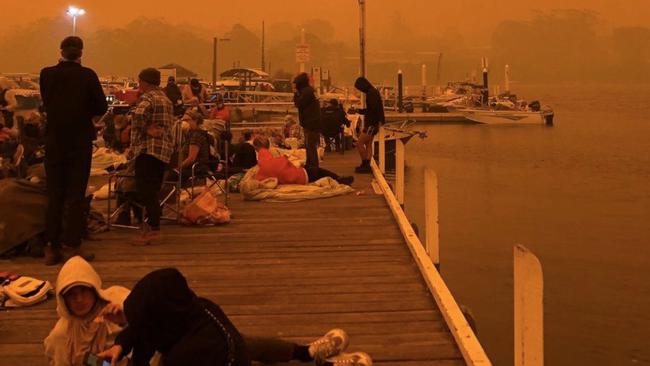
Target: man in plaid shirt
(152, 144)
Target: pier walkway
(291, 270)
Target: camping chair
(111, 214)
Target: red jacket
(280, 168)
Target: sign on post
(302, 53)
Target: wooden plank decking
(292, 270)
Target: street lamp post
(74, 12)
(215, 42)
(362, 37)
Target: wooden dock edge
(468, 344)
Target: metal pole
(74, 25)
(382, 150)
(302, 41)
(431, 216)
(507, 80)
(400, 92)
(486, 91)
(214, 62)
(263, 61)
(424, 81)
(362, 37)
(227, 160)
(399, 170)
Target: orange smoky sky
(469, 17)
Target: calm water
(577, 194)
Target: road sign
(302, 53)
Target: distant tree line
(556, 46)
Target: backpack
(23, 291)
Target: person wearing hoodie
(163, 314)
(309, 116)
(173, 92)
(80, 298)
(374, 118)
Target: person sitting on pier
(196, 145)
(80, 298)
(163, 314)
(285, 171)
(334, 120)
(220, 110)
(246, 156)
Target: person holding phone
(80, 298)
(163, 314)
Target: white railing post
(399, 170)
(382, 150)
(529, 308)
(431, 215)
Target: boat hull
(508, 117)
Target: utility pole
(263, 61)
(215, 44)
(362, 37)
(302, 41)
(214, 62)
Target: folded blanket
(269, 190)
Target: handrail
(469, 346)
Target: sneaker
(52, 255)
(351, 359)
(347, 180)
(331, 344)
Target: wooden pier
(291, 270)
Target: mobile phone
(91, 359)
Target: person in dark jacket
(173, 92)
(308, 115)
(374, 118)
(72, 96)
(246, 156)
(163, 314)
(334, 121)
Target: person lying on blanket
(287, 173)
(80, 298)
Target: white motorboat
(509, 117)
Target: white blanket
(269, 189)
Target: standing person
(308, 115)
(152, 144)
(72, 96)
(374, 118)
(173, 92)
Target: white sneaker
(351, 359)
(331, 344)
